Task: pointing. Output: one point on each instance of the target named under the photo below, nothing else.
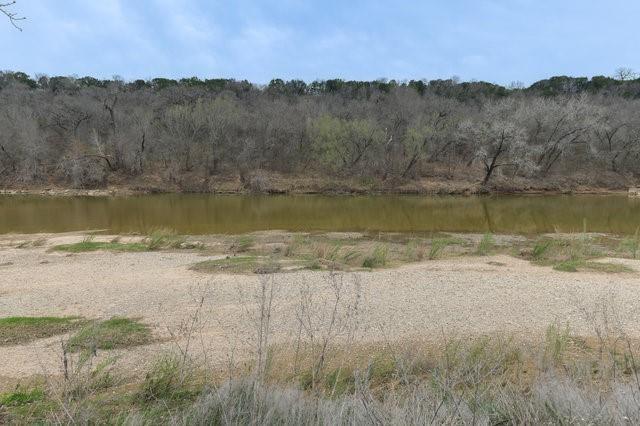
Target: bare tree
(624, 74)
(498, 139)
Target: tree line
(85, 132)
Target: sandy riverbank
(466, 296)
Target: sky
(500, 41)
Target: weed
(161, 238)
(437, 246)
(486, 245)
(377, 258)
(540, 249)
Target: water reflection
(198, 214)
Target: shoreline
(123, 191)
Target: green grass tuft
(87, 246)
(378, 257)
(166, 380)
(18, 330)
(486, 245)
(157, 240)
(164, 238)
(20, 398)
(541, 248)
(437, 246)
(567, 266)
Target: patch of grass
(166, 380)
(18, 330)
(113, 333)
(20, 398)
(327, 251)
(571, 255)
(568, 266)
(574, 265)
(164, 238)
(607, 267)
(377, 258)
(314, 266)
(238, 265)
(87, 246)
(486, 245)
(157, 240)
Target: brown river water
(233, 214)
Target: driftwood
(634, 192)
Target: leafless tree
(83, 131)
(624, 74)
(498, 139)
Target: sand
(463, 297)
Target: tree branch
(14, 18)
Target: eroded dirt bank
(273, 183)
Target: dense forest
(189, 134)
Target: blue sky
(493, 40)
